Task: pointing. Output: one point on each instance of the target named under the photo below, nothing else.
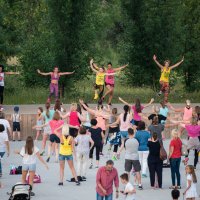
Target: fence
(29, 120)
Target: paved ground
(32, 108)
(49, 190)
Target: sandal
(172, 187)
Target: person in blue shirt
(143, 136)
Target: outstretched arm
(110, 74)
(151, 101)
(12, 73)
(65, 73)
(177, 64)
(44, 74)
(155, 59)
(120, 68)
(124, 102)
(175, 109)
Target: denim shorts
(124, 134)
(65, 157)
(29, 167)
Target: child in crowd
(191, 190)
(39, 122)
(16, 118)
(129, 191)
(29, 153)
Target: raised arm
(151, 101)
(94, 70)
(111, 74)
(65, 73)
(124, 102)
(177, 64)
(93, 64)
(155, 60)
(91, 111)
(44, 74)
(120, 68)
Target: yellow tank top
(66, 148)
(100, 78)
(165, 75)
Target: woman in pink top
(54, 124)
(74, 118)
(137, 109)
(110, 81)
(100, 116)
(187, 114)
(55, 75)
(193, 130)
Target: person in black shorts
(16, 118)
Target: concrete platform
(49, 189)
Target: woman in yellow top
(67, 149)
(165, 73)
(99, 84)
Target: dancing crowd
(77, 134)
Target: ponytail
(47, 110)
(126, 110)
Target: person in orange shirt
(165, 73)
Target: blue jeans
(109, 197)
(1, 155)
(175, 173)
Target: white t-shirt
(29, 159)
(6, 125)
(2, 79)
(3, 139)
(128, 188)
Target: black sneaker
(140, 187)
(77, 182)
(84, 178)
(91, 165)
(60, 183)
(48, 159)
(32, 194)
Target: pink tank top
(125, 125)
(101, 122)
(55, 79)
(110, 78)
(73, 119)
(187, 115)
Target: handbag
(37, 179)
(163, 153)
(184, 151)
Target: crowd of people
(136, 138)
(77, 134)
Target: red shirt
(106, 179)
(177, 144)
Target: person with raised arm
(110, 81)
(55, 76)
(100, 76)
(137, 109)
(164, 78)
(2, 83)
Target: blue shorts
(124, 134)
(29, 167)
(63, 157)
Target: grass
(84, 89)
